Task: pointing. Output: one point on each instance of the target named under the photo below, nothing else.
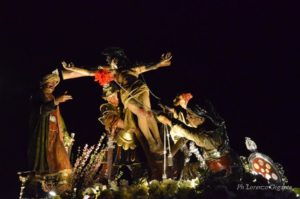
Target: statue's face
(177, 101)
(108, 59)
(49, 87)
(113, 62)
(180, 101)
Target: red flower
(104, 77)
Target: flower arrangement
(87, 182)
(87, 165)
(143, 189)
(215, 187)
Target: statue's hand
(164, 119)
(67, 66)
(165, 60)
(63, 98)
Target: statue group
(180, 141)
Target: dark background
(242, 55)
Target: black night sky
(242, 55)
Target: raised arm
(74, 72)
(164, 61)
(66, 74)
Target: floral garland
(143, 189)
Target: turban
(53, 77)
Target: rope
(134, 97)
(164, 175)
(170, 157)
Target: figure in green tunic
(49, 138)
